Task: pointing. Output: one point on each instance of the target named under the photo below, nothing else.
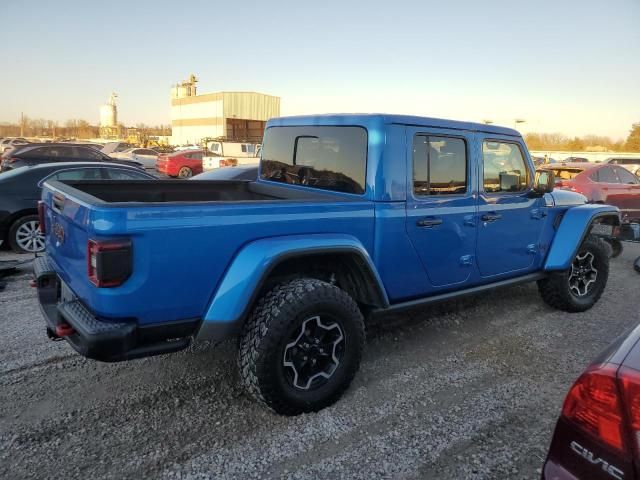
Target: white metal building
(239, 116)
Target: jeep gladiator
(352, 216)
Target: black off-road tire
(275, 317)
(555, 289)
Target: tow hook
(63, 330)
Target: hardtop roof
(367, 119)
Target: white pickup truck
(226, 154)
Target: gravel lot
(467, 389)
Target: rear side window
(35, 153)
(439, 165)
(605, 175)
(504, 167)
(329, 158)
(77, 174)
(566, 173)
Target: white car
(146, 156)
(10, 143)
(631, 164)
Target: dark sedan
(20, 192)
(35, 154)
(598, 433)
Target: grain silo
(109, 118)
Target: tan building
(236, 116)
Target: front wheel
(301, 347)
(579, 288)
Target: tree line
(73, 128)
(560, 142)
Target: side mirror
(543, 183)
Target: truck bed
(167, 191)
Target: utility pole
(22, 124)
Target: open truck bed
(104, 192)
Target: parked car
(601, 183)
(598, 433)
(182, 164)
(575, 160)
(20, 190)
(352, 217)
(115, 147)
(9, 144)
(241, 172)
(631, 164)
(146, 156)
(57, 152)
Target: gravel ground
(468, 389)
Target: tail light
(605, 403)
(109, 262)
(595, 406)
(42, 227)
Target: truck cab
(352, 217)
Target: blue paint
(206, 260)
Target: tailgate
(66, 235)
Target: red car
(598, 433)
(601, 183)
(184, 164)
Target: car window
(58, 151)
(439, 165)
(145, 151)
(329, 158)
(504, 167)
(196, 156)
(566, 173)
(77, 174)
(122, 147)
(86, 153)
(124, 174)
(35, 153)
(606, 175)
(625, 176)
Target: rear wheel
(185, 172)
(25, 235)
(301, 347)
(580, 287)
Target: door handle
(429, 222)
(490, 217)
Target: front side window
(504, 167)
(122, 174)
(78, 174)
(439, 165)
(626, 176)
(329, 158)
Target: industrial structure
(109, 118)
(231, 116)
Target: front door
(509, 220)
(441, 204)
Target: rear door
(629, 199)
(509, 221)
(441, 205)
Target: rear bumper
(101, 339)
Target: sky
(568, 66)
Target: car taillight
(630, 381)
(41, 226)
(594, 405)
(109, 262)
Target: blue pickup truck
(352, 217)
